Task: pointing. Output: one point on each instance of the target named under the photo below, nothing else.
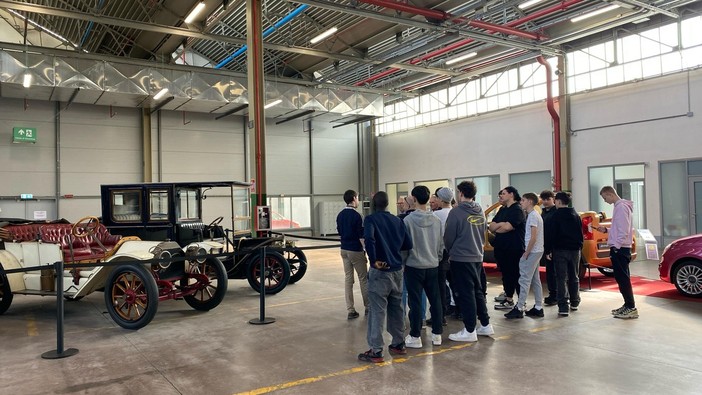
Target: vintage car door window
(158, 205)
(126, 205)
(189, 204)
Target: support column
(257, 95)
(146, 144)
(563, 113)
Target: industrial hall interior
(350, 196)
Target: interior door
(695, 204)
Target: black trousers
(508, 262)
(620, 264)
(550, 276)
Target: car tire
(131, 296)
(582, 268)
(277, 272)
(211, 295)
(5, 291)
(298, 264)
(687, 277)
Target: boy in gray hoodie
(464, 238)
(422, 268)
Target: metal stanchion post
(59, 352)
(262, 320)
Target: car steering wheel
(86, 226)
(215, 222)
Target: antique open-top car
(174, 211)
(132, 289)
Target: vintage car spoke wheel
(131, 296)
(276, 276)
(298, 264)
(5, 291)
(607, 271)
(688, 278)
(211, 294)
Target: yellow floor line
(308, 380)
(32, 327)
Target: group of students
(417, 251)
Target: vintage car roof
(189, 184)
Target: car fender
(8, 262)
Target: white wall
(502, 142)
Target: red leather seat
(61, 234)
(26, 232)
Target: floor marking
(308, 380)
(32, 326)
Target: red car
(681, 264)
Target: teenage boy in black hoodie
(548, 208)
(564, 239)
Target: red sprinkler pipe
(437, 14)
(556, 126)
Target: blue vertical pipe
(266, 33)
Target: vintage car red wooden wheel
(131, 296)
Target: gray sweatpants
(385, 296)
(529, 277)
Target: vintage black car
(174, 211)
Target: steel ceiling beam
(179, 31)
(650, 7)
(448, 28)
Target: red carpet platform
(642, 286)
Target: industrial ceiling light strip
(195, 12)
(594, 13)
(324, 35)
(461, 58)
(528, 4)
(273, 104)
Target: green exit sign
(24, 135)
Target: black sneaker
(352, 315)
(370, 356)
(398, 349)
(574, 306)
(534, 312)
(514, 313)
(550, 301)
(563, 312)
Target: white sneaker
(486, 330)
(500, 298)
(464, 336)
(413, 342)
(435, 339)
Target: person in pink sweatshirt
(619, 237)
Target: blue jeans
(385, 296)
(620, 264)
(418, 280)
(469, 293)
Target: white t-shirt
(535, 220)
(443, 214)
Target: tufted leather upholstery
(83, 247)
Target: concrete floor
(312, 348)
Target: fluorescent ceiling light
(461, 58)
(195, 12)
(27, 81)
(528, 4)
(273, 103)
(593, 13)
(324, 35)
(161, 93)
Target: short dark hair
(531, 196)
(564, 197)
(513, 191)
(546, 194)
(467, 189)
(607, 189)
(380, 201)
(421, 193)
(349, 196)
